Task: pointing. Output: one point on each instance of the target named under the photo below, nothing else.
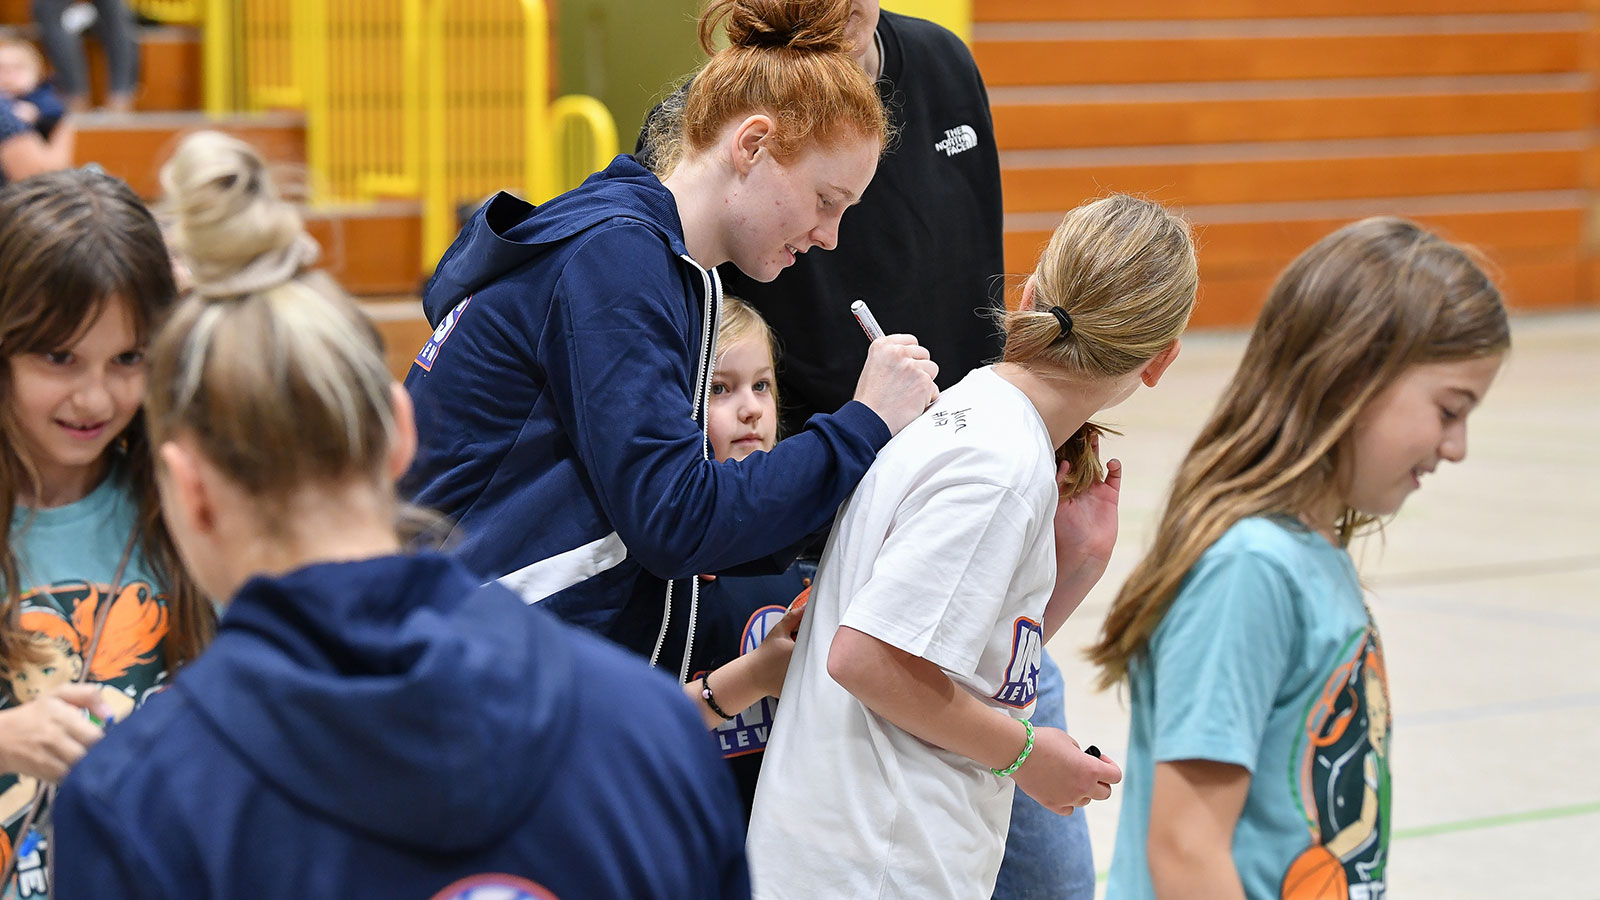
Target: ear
(186, 495)
(749, 139)
(1026, 303)
(404, 448)
(1155, 368)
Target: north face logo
(957, 139)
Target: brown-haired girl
(1258, 757)
(906, 706)
(84, 280)
(397, 727)
(561, 401)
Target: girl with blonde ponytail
(1258, 755)
(397, 727)
(962, 552)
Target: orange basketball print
(1316, 875)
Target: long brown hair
(1124, 269)
(1343, 321)
(789, 59)
(70, 242)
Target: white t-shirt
(946, 550)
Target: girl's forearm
(918, 697)
(1068, 594)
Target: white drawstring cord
(711, 324)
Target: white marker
(864, 317)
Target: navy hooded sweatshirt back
(389, 728)
(555, 408)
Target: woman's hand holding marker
(897, 380)
(1061, 776)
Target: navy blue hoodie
(389, 728)
(557, 417)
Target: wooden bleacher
(1271, 123)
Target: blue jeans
(1048, 857)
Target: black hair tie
(1065, 318)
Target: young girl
(1258, 755)
(568, 376)
(747, 623)
(368, 723)
(96, 608)
(905, 710)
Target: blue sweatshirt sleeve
(620, 357)
(95, 856)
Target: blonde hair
(1124, 269)
(269, 366)
(787, 58)
(741, 321)
(1343, 321)
(70, 243)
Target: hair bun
(229, 224)
(816, 26)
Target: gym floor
(1486, 589)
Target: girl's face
(782, 209)
(743, 413)
(1409, 427)
(70, 403)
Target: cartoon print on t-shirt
(126, 663)
(1342, 781)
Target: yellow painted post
(310, 20)
(540, 175)
(585, 139)
(220, 54)
(955, 15)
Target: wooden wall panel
(1272, 122)
(1093, 10)
(1147, 60)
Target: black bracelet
(705, 694)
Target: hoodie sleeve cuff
(858, 419)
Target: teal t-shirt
(69, 557)
(1268, 660)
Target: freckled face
(782, 209)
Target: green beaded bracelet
(1022, 757)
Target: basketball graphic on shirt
(1341, 779)
(495, 887)
(1316, 875)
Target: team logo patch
(494, 887)
(957, 139)
(1022, 673)
(430, 350)
(748, 731)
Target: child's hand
(25, 111)
(1061, 776)
(46, 737)
(1086, 525)
(771, 661)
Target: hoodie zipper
(711, 324)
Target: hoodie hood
(396, 696)
(508, 232)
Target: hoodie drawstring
(711, 324)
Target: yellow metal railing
(487, 114)
(172, 12)
(444, 100)
(585, 139)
